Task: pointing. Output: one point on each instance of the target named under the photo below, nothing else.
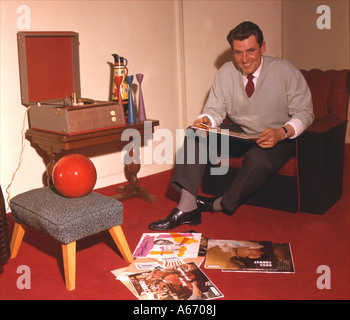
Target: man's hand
(270, 137)
(204, 120)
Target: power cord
(20, 159)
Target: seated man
(261, 95)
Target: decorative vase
(131, 111)
(120, 69)
(118, 93)
(142, 112)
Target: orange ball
(74, 176)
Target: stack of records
(166, 267)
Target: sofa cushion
(319, 83)
(339, 94)
(289, 169)
(330, 91)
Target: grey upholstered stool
(67, 220)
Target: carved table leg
(50, 166)
(133, 189)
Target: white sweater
(281, 93)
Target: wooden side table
(54, 143)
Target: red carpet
(315, 240)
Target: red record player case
(50, 76)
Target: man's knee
(258, 162)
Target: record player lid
(49, 65)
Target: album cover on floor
(168, 245)
(141, 265)
(184, 282)
(240, 255)
(284, 260)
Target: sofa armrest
(320, 153)
(324, 124)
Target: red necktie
(249, 88)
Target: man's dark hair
(243, 31)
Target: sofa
(312, 180)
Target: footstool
(67, 220)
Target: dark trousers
(258, 164)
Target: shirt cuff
(213, 122)
(297, 126)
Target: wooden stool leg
(68, 251)
(16, 240)
(119, 238)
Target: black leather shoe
(177, 218)
(205, 204)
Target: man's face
(247, 54)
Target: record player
(50, 86)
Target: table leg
(133, 189)
(50, 166)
